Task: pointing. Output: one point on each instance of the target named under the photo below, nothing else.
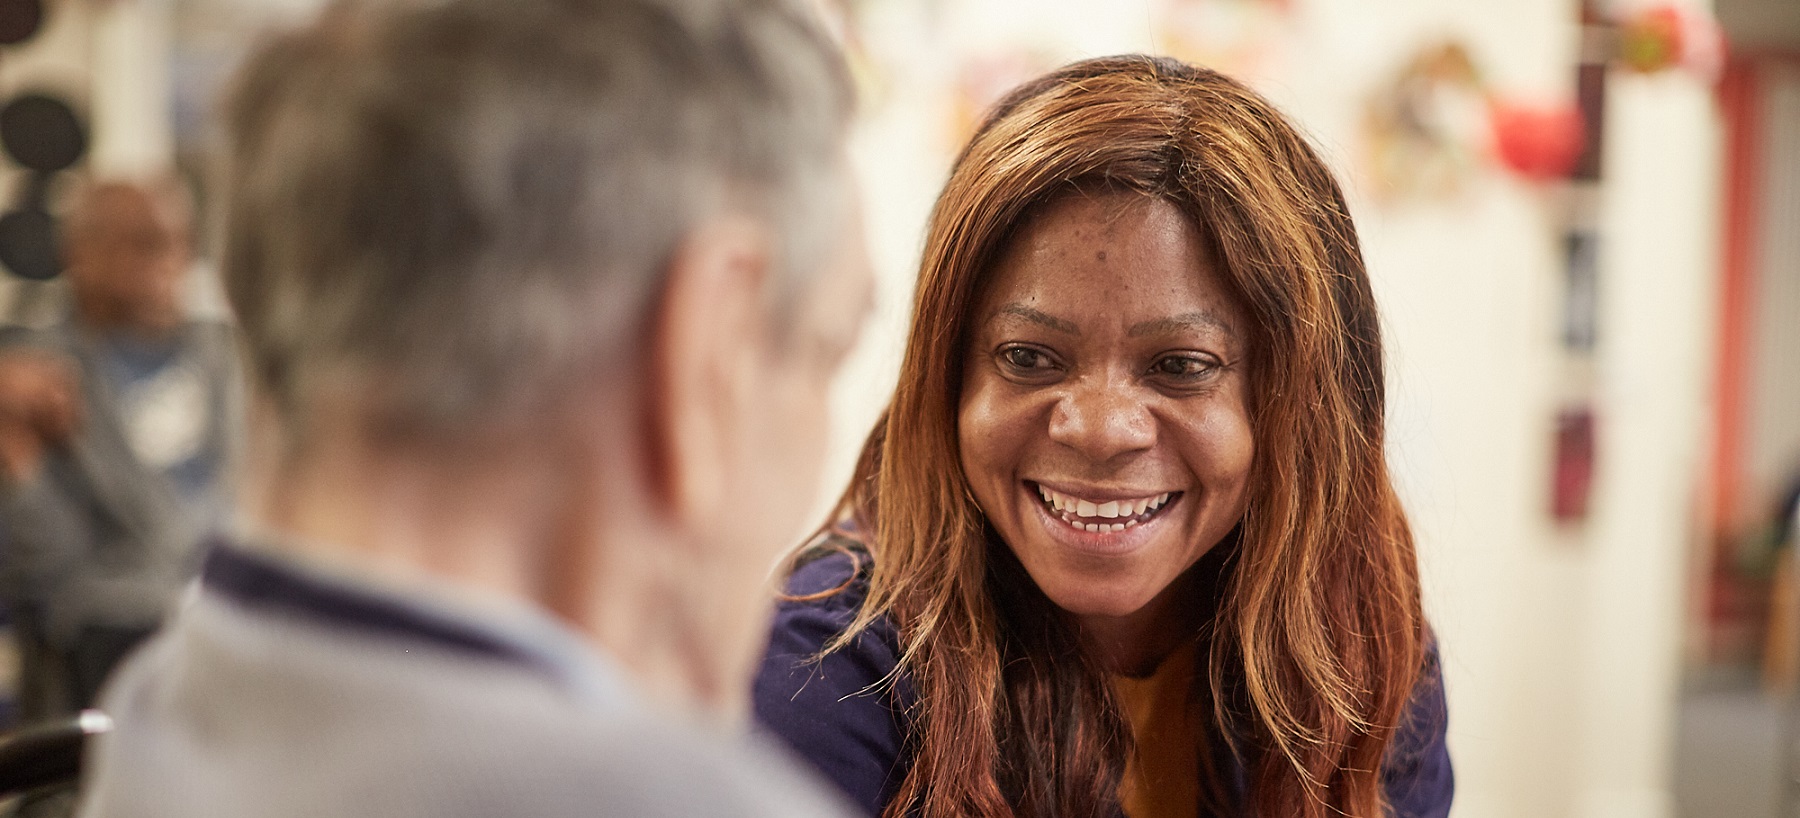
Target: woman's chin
(1084, 599)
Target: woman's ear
(706, 336)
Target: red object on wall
(1741, 98)
(1745, 90)
(1539, 143)
(1574, 464)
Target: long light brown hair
(1315, 638)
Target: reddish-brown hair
(1317, 639)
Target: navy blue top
(840, 714)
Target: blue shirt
(165, 403)
(841, 714)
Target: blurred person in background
(117, 431)
(1125, 542)
(540, 302)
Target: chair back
(42, 755)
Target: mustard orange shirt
(1162, 777)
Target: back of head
(450, 206)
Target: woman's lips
(1101, 516)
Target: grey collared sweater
(279, 691)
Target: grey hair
(461, 203)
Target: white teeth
(1111, 509)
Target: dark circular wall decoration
(41, 132)
(20, 20)
(28, 244)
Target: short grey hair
(464, 202)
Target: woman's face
(1104, 424)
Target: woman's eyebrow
(1203, 319)
(1060, 325)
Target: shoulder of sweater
(824, 594)
(480, 739)
(832, 576)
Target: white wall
(131, 113)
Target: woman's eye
(1182, 367)
(1025, 359)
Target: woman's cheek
(1226, 448)
(977, 433)
(993, 441)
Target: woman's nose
(1102, 419)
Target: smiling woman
(1103, 371)
(1125, 541)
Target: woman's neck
(1134, 644)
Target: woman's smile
(1102, 515)
(1098, 521)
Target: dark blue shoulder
(821, 600)
(830, 581)
(844, 711)
(836, 576)
(1418, 777)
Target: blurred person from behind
(1125, 542)
(540, 302)
(118, 426)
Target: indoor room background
(1583, 226)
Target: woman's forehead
(1107, 255)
